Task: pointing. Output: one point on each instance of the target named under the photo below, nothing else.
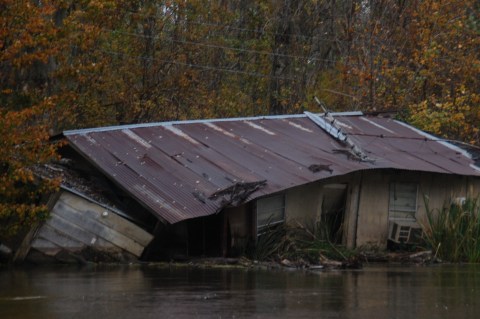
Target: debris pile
(237, 193)
(72, 180)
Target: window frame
(403, 212)
(261, 229)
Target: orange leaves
(24, 142)
(28, 31)
(15, 218)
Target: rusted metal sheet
(178, 169)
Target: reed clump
(298, 243)
(453, 232)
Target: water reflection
(153, 292)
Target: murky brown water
(135, 292)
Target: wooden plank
(46, 247)
(106, 217)
(57, 244)
(80, 218)
(25, 246)
(42, 243)
(81, 221)
(60, 239)
(65, 227)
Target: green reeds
(296, 242)
(453, 232)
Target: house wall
(372, 222)
(366, 219)
(303, 204)
(372, 214)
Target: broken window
(403, 227)
(270, 212)
(403, 201)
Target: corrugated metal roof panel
(182, 170)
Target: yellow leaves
(428, 67)
(18, 217)
(455, 117)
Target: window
(270, 211)
(403, 201)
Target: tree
(25, 59)
(445, 79)
(420, 58)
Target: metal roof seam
(167, 123)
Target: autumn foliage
(26, 35)
(24, 143)
(422, 59)
(72, 64)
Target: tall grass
(296, 242)
(454, 231)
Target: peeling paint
(136, 138)
(258, 127)
(180, 133)
(377, 125)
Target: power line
(262, 31)
(423, 139)
(257, 31)
(222, 47)
(208, 45)
(198, 66)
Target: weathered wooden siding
(82, 229)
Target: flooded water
(158, 292)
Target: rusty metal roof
(183, 170)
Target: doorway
(333, 212)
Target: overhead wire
(264, 32)
(424, 140)
(208, 45)
(169, 39)
(223, 47)
(220, 47)
(234, 28)
(193, 65)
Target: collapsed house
(210, 187)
